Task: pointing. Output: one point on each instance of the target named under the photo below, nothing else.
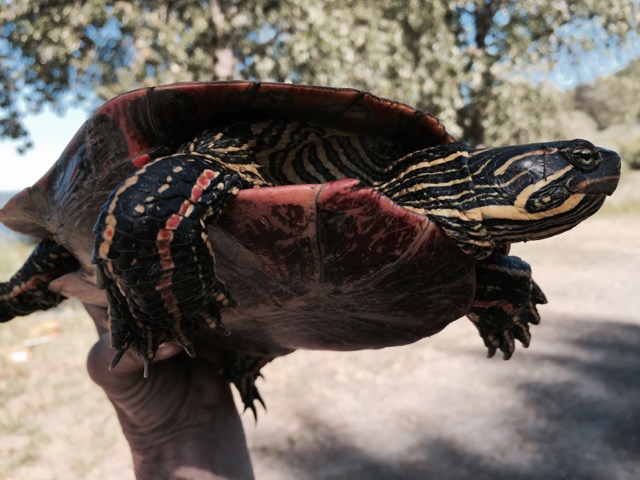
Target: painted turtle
(339, 220)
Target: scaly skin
(27, 291)
(505, 303)
(155, 259)
(499, 196)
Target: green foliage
(470, 62)
(612, 99)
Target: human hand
(181, 422)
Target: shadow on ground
(567, 409)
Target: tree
(477, 64)
(607, 100)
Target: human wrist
(211, 449)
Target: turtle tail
(28, 290)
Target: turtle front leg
(153, 254)
(506, 303)
(28, 290)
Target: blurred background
(495, 73)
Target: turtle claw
(242, 371)
(116, 359)
(147, 367)
(521, 332)
(537, 298)
(500, 329)
(506, 303)
(506, 345)
(537, 295)
(118, 356)
(189, 349)
(249, 393)
(216, 324)
(221, 329)
(249, 403)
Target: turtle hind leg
(28, 290)
(506, 303)
(243, 371)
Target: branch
(484, 15)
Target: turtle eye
(583, 157)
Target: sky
(50, 134)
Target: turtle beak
(604, 179)
(610, 165)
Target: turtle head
(534, 191)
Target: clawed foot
(142, 327)
(243, 371)
(28, 290)
(147, 358)
(505, 304)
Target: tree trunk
(223, 59)
(471, 119)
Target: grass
(53, 417)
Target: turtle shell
(331, 266)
